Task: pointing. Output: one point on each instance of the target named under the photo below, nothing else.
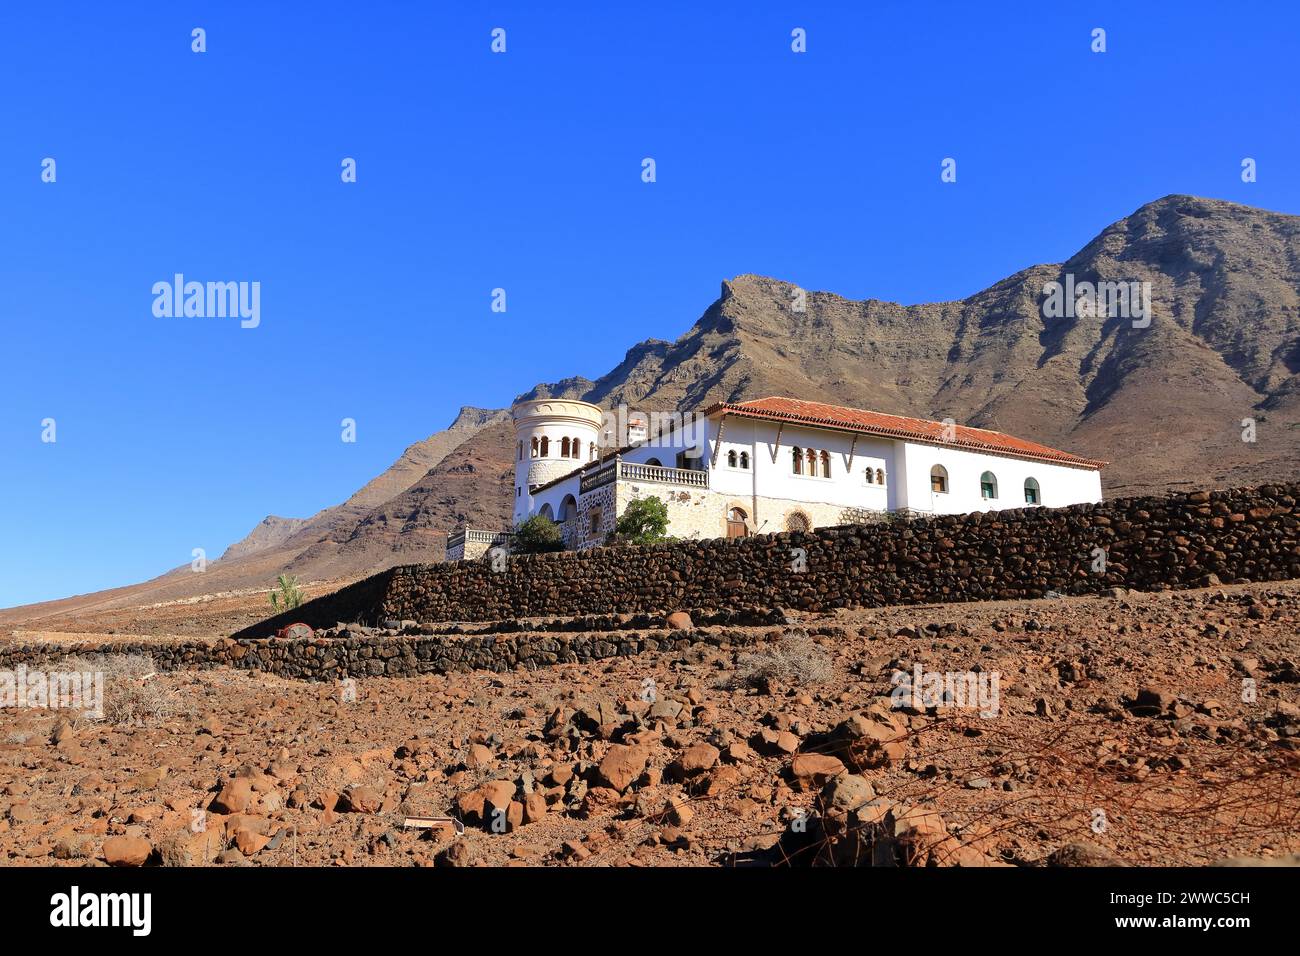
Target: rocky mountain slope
(1166, 404)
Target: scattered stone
(235, 796)
(1083, 853)
(678, 811)
(361, 800)
(622, 765)
(812, 771)
(126, 851)
(698, 758)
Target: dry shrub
(133, 693)
(793, 661)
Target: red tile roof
(818, 414)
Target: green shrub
(644, 521)
(537, 534)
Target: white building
(772, 464)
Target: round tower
(553, 436)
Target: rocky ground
(1146, 729)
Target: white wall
(772, 472)
(1059, 485)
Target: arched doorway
(736, 523)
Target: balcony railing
(668, 476)
(634, 471)
(601, 476)
(463, 535)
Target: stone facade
(597, 516)
(693, 513)
(1152, 543)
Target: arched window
(796, 459)
(732, 459)
(1032, 496)
(520, 456)
(568, 508)
(797, 521)
(939, 480)
(880, 476)
(564, 447)
(744, 460)
(546, 447)
(535, 446)
(871, 476)
(736, 524)
(988, 486)
(592, 451)
(826, 464)
(575, 447)
(655, 463)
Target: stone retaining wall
(325, 659)
(1142, 543)
(1150, 543)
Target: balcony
(631, 471)
(667, 476)
(471, 542)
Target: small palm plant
(289, 596)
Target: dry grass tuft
(134, 693)
(793, 661)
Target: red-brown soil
(1066, 760)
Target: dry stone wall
(1151, 543)
(323, 659)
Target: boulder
(534, 807)
(235, 796)
(698, 758)
(621, 766)
(361, 800)
(126, 851)
(846, 792)
(812, 771)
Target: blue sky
(521, 171)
